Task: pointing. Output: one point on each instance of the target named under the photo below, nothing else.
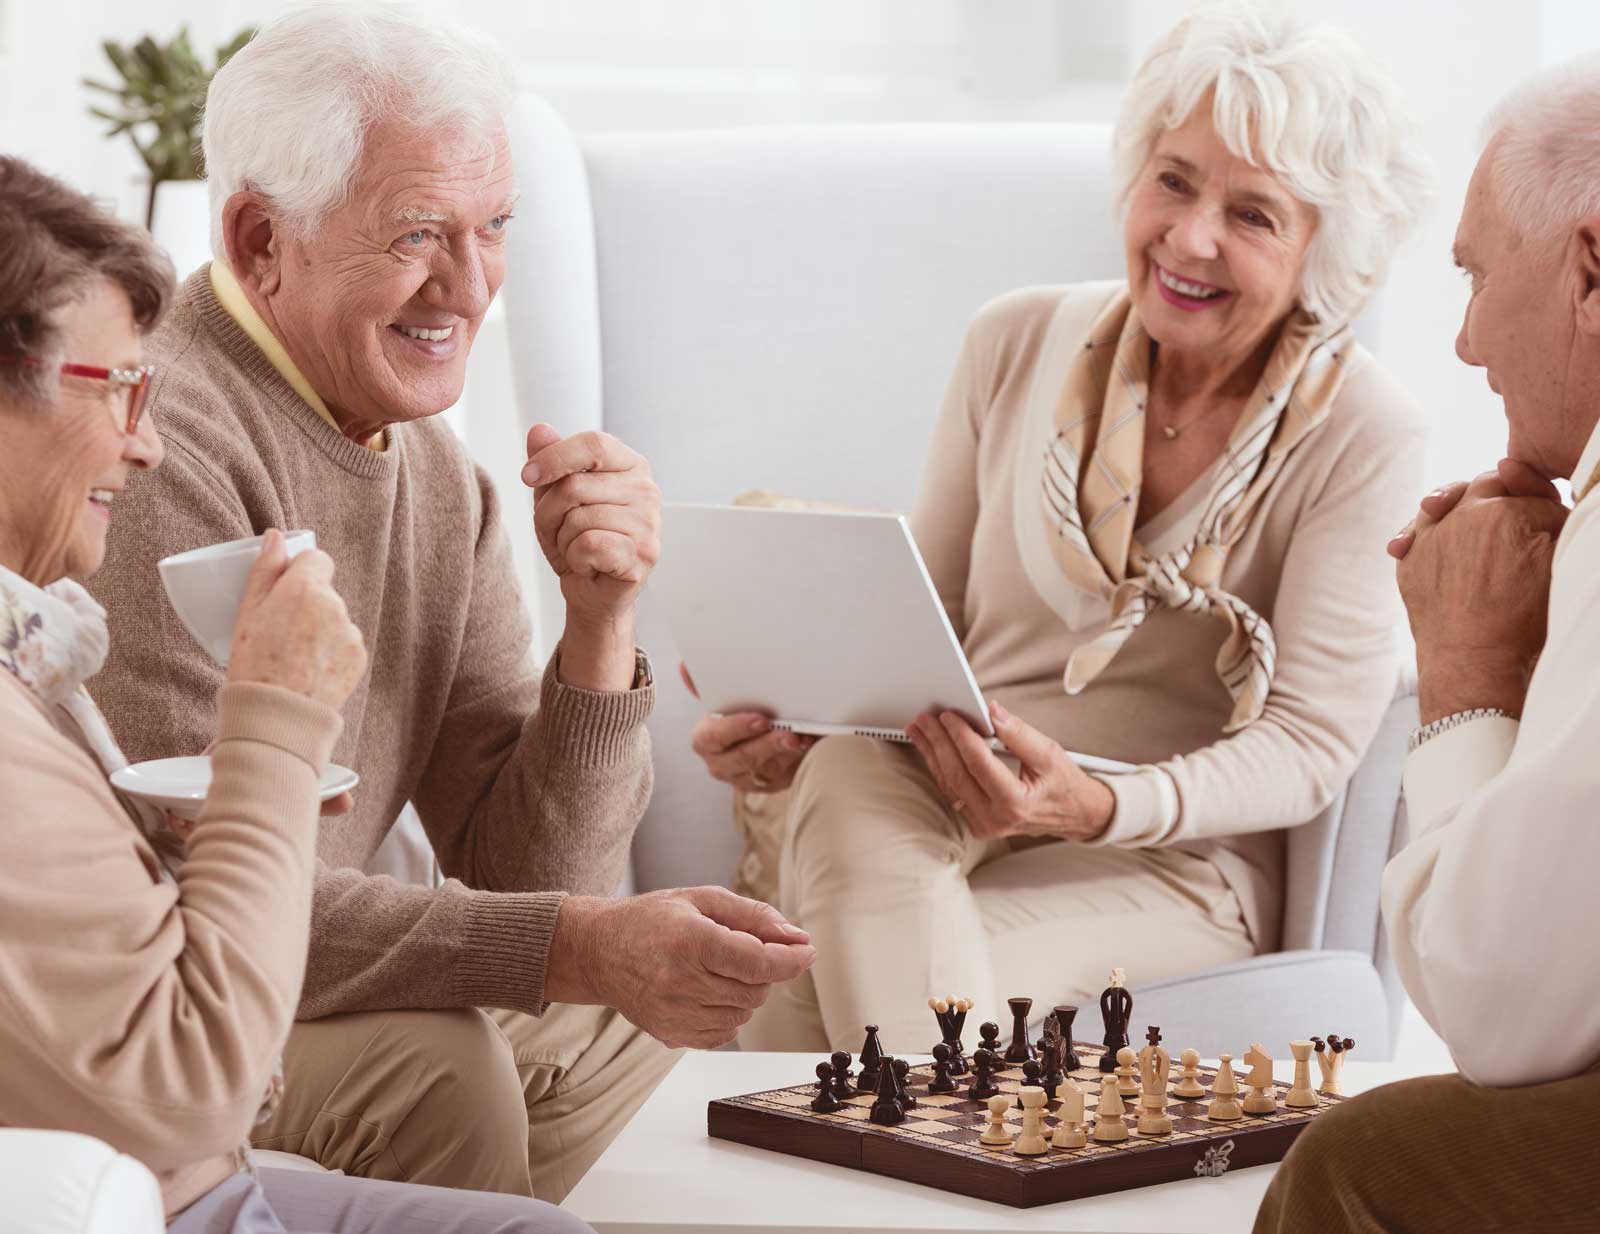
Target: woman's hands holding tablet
(744, 750)
(1048, 795)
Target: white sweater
(1491, 907)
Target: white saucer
(181, 784)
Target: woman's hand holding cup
(293, 629)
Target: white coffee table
(664, 1173)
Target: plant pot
(181, 222)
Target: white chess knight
(1262, 1099)
(1069, 1128)
(1108, 1124)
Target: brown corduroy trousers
(1441, 1154)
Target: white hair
(288, 116)
(1546, 158)
(1306, 104)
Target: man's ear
(1586, 291)
(254, 247)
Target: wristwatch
(643, 675)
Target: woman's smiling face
(1215, 246)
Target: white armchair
(59, 1182)
(780, 309)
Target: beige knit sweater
(145, 1012)
(1311, 562)
(527, 788)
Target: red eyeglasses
(135, 380)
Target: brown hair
(53, 241)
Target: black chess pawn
(886, 1110)
(1019, 1051)
(902, 1073)
(1064, 1017)
(825, 1102)
(871, 1059)
(989, 1037)
(1031, 1073)
(842, 1075)
(941, 1082)
(984, 1064)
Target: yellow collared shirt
(231, 296)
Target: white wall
(610, 64)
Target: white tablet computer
(827, 622)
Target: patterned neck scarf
(52, 639)
(1093, 471)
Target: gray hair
(288, 116)
(1304, 103)
(1546, 158)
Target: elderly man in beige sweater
(362, 192)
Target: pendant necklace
(1172, 431)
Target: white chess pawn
(1127, 1068)
(1301, 1096)
(1263, 1098)
(997, 1134)
(1108, 1124)
(1189, 1083)
(1224, 1107)
(1031, 1143)
(1069, 1130)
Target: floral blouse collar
(52, 639)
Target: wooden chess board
(937, 1145)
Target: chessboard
(937, 1144)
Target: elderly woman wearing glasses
(1155, 510)
(150, 982)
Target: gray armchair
(781, 309)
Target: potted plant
(158, 105)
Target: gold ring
(759, 782)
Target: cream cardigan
(1311, 562)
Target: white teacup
(206, 586)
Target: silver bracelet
(1445, 723)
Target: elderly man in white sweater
(1490, 907)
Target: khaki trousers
(902, 905)
(481, 1100)
(1438, 1154)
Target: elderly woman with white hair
(1154, 511)
(494, 1032)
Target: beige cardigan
(147, 1013)
(1311, 562)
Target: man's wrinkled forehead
(436, 177)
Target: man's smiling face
(380, 305)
